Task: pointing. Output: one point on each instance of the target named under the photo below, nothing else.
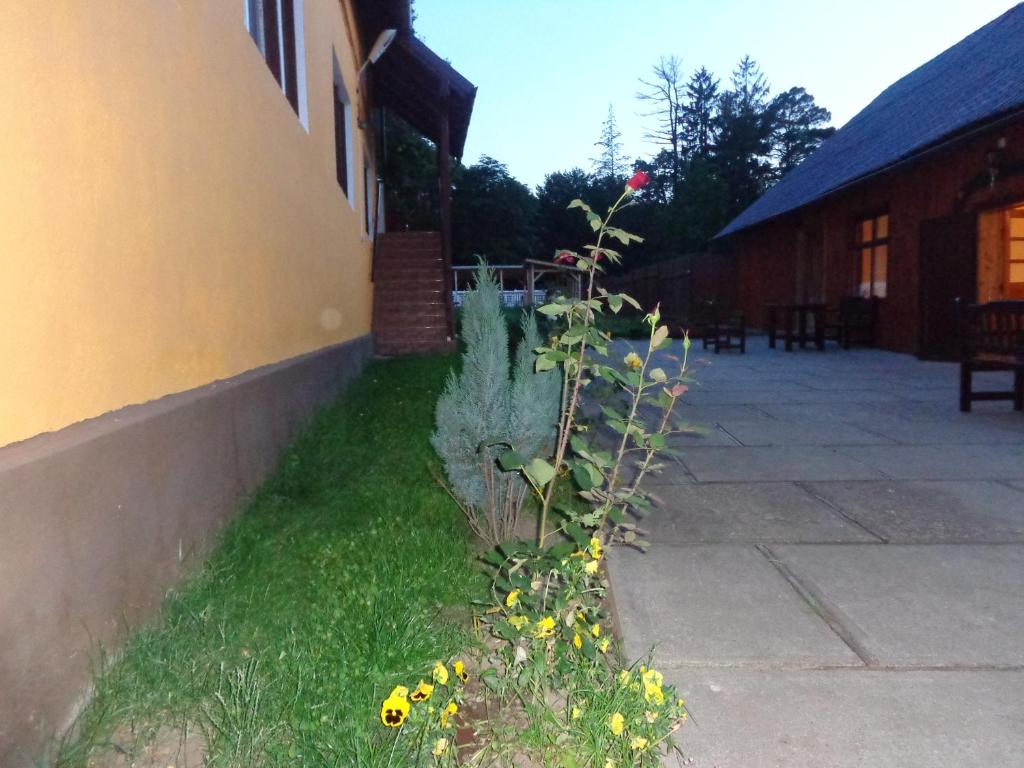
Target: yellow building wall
(165, 218)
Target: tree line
(716, 148)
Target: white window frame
(350, 157)
(298, 10)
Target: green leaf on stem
(511, 460)
(539, 471)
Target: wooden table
(799, 312)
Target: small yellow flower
(450, 710)
(596, 630)
(576, 713)
(595, 548)
(439, 747)
(518, 622)
(639, 743)
(440, 673)
(652, 680)
(633, 361)
(591, 568)
(624, 677)
(577, 641)
(460, 671)
(422, 692)
(616, 722)
(603, 645)
(545, 627)
(513, 598)
(395, 708)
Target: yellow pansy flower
(395, 708)
(545, 627)
(652, 680)
(603, 645)
(577, 641)
(460, 671)
(512, 598)
(440, 673)
(450, 710)
(616, 723)
(422, 692)
(591, 568)
(439, 747)
(596, 630)
(633, 361)
(638, 742)
(595, 548)
(576, 713)
(518, 622)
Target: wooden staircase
(410, 302)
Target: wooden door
(948, 270)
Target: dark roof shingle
(978, 79)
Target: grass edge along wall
(173, 236)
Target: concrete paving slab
(945, 431)
(719, 605)
(742, 512)
(943, 462)
(763, 432)
(940, 605)
(715, 414)
(778, 463)
(931, 512)
(851, 719)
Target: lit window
(1015, 250)
(276, 28)
(872, 238)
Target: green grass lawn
(350, 571)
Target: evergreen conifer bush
(490, 405)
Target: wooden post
(529, 285)
(444, 179)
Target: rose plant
(552, 655)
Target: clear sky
(548, 69)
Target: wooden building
(918, 200)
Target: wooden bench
(723, 330)
(991, 339)
(854, 322)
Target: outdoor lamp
(384, 39)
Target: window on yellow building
(276, 28)
(342, 136)
(872, 244)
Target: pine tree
(799, 127)
(610, 162)
(484, 410)
(745, 124)
(698, 113)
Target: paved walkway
(837, 570)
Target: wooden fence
(681, 284)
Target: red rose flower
(640, 179)
(565, 257)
